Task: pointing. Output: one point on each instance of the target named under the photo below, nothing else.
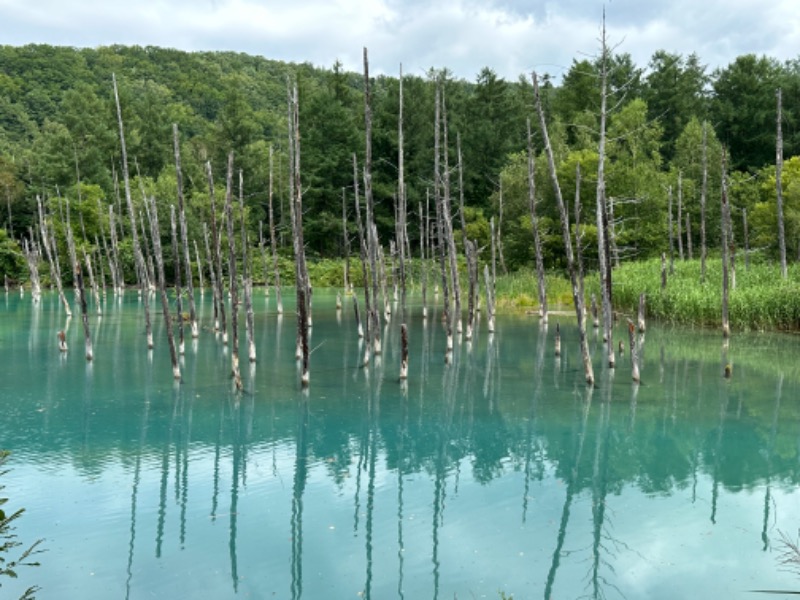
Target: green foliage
(59, 138)
(761, 299)
(744, 109)
(12, 261)
(9, 542)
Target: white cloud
(510, 36)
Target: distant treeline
(58, 127)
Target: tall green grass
(761, 299)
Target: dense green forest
(59, 141)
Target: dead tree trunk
(162, 286)
(212, 275)
(32, 259)
(472, 272)
(703, 195)
(500, 254)
(671, 228)
(726, 330)
(112, 230)
(576, 297)
(87, 258)
(234, 286)
(489, 297)
(602, 209)
(493, 280)
(680, 215)
(84, 310)
(779, 185)
(345, 243)
(446, 312)
(299, 248)
(247, 280)
(537, 242)
(176, 259)
(746, 240)
(403, 352)
(579, 235)
(688, 237)
(184, 234)
(363, 251)
(634, 352)
(372, 241)
(423, 237)
(48, 241)
(402, 211)
(141, 267)
(641, 322)
(216, 240)
(199, 267)
(273, 241)
(447, 220)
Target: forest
(59, 142)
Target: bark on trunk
(162, 287)
(703, 195)
(184, 234)
(779, 185)
(84, 311)
(726, 330)
(273, 241)
(372, 241)
(216, 241)
(302, 286)
(537, 242)
(576, 297)
(233, 283)
(176, 259)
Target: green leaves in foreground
(9, 542)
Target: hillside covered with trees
(59, 141)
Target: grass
(761, 300)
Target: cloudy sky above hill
(512, 37)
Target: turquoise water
(497, 474)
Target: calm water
(499, 473)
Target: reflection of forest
(503, 405)
(675, 428)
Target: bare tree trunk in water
(273, 242)
(680, 215)
(162, 287)
(176, 259)
(372, 241)
(726, 329)
(362, 245)
(576, 297)
(234, 284)
(671, 228)
(537, 242)
(602, 209)
(703, 194)
(447, 221)
(84, 311)
(299, 247)
(779, 185)
(247, 281)
(184, 233)
(216, 241)
(141, 267)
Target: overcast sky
(512, 37)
